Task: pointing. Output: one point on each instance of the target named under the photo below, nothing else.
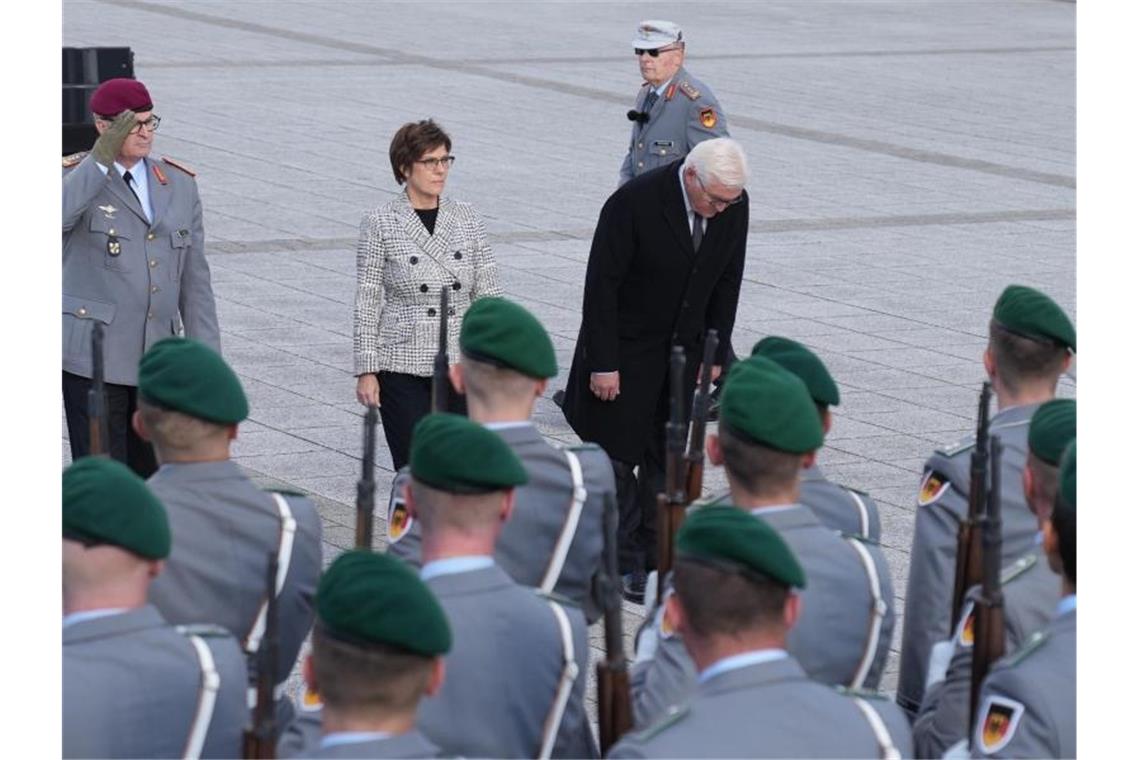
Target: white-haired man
(665, 266)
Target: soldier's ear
(540, 387)
(154, 568)
(715, 452)
(455, 375)
(809, 460)
(825, 420)
(791, 610)
(231, 432)
(508, 505)
(675, 613)
(138, 425)
(1028, 486)
(437, 677)
(988, 362)
(1051, 543)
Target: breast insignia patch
(933, 486)
(708, 118)
(999, 724)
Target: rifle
(615, 710)
(440, 384)
(98, 437)
(259, 741)
(989, 619)
(366, 486)
(671, 504)
(968, 565)
(695, 456)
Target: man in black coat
(665, 266)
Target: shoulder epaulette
(179, 165)
(203, 629)
(74, 159)
(852, 490)
(553, 596)
(285, 492)
(672, 715)
(860, 538)
(1034, 643)
(847, 691)
(955, 449)
(1020, 567)
(580, 447)
(1008, 425)
(692, 93)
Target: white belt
(207, 696)
(284, 554)
(882, 735)
(878, 612)
(569, 528)
(565, 685)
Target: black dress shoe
(633, 587)
(558, 397)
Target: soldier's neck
(447, 544)
(126, 596)
(747, 500)
(218, 453)
(482, 413)
(706, 651)
(1035, 394)
(333, 721)
(127, 163)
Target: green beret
(1054, 424)
(104, 502)
(801, 362)
(1067, 481)
(372, 598)
(501, 332)
(769, 405)
(454, 454)
(1032, 314)
(190, 377)
(733, 535)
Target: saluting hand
(605, 385)
(107, 147)
(368, 390)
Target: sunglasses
(653, 53)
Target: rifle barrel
(366, 486)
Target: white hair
(721, 159)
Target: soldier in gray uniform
(133, 259)
(768, 429)
(190, 405)
(378, 647)
(1028, 703)
(1029, 591)
(516, 674)
(1029, 348)
(736, 598)
(134, 685)
(553, 540)
(674, 111)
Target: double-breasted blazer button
(423, 288)
(458, 255)
(415, 259)
(431, 312)
(455, 286)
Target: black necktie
(698, 231)
(130, 184)
(650, 99)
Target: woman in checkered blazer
(411, 247)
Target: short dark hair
(357, 677)
(1064, 521)
(412, 141)
(718, 601)
(1018, 359)
(758, 468)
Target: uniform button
(640, 146)
(153, 263)
(684, 304)
(455, 286)
(153, 288)
(423, 288)
(111, 232)
(640, 164)
(431, 312)
(150, 236)
(415, 259)
(150, 315)
(451, 312)
(458, 255)
(82, 311)
(663, 151)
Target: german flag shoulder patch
(998, 724)
(179, 165)
(934, 484)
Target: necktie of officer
(131, 184)
(698, 231)
(650, 99)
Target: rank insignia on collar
(933, 486)
(708, 118)
(159, 174)
(108, 211)
(999, 724)
(399, 521)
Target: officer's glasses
(653, 52)
(721, 202)
(150, 125)
(435, 163)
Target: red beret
(117, 95)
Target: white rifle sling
(878, 612)
(864, 514)
(569, 528)
(882, 735)
(284, 554)
(565, 685)
(207, 696)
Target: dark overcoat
(645, 291)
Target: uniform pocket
(114, 238)
(79, 315)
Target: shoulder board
(692, 93)
(955, 449)
(1034, 643)
(860, 538)
(283, 492)
(1019, 567)
(1009, 425)
(74, 159)
(580, 447)
(674, 714)
(203, 629)
(861, 693)
(552, 596)
(179, 165)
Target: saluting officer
(134, 685)
(769, 429)
(1028, 589)
(553, 540)
(674, 111)
(133, 259)
(736, 598)
(190, 405)
(1029, 348)
(516, 675)
(1028, 703)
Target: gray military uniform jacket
(411, 744)
(770, 709)
(843, 635)
(132, 684)
(504, 671)
(685, 114)
(143, 280)
(1028, 703)
(529, 548)
(840, 508)
(942, 506)
(1029, 594)
(223, 529)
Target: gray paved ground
(910, 160)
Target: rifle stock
(989, 618)
(695, 456)
(615, 710)
(260, 740)
(671, 504)
(366, 486)
(968, 563)
(440, 384)
(97, 395)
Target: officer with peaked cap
(133, 259)
(553, 540)
(673, 111)
(516, 673)
(190, 405)
(1031, 342)
(737, 599)
(769, 429)
(1028, 589)
(134, 685)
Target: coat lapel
(159, 193)
(434, 246)
(120, 190)
(673, 207)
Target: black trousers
(637, 498)
(404, 399)
(123, 443)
